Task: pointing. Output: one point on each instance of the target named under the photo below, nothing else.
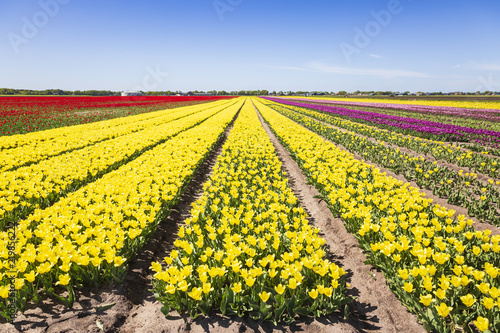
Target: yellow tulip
(195, 294)
(4, 291)
(483, 287)
(30, 277)
(250, 281)
(64, 279)
(292, 283)
(440, 293)
(313, 293)
(264, 296)
(468, 300)
(207, 287)
(403, 273)
(183, 285)
(170, 289)
(482, 323)
(443, 309)
(18, 283)
(425, 300)
(494, 292)
(408, 287)
(236, 288)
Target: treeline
(210, 92)
(8, 91)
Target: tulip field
(81, 197)
(248, 247)
(19, 115)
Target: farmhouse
(132, 93)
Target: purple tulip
(485, 137)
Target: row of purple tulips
(444, 131)
(480, 114)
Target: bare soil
(132, 307)
(463, 146)
(478, 225)
(135, 309)
(376, 308)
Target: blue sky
(250, 44)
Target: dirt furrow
(130, 306)
(483, 178)
(478, 225)
(462, 146)
(376, 308)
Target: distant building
(190, 93)
(132, 93)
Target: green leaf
(255, 306)
(71, 298)
(291, 306)
(346, 312)
(301, 311)
(104, 307)
(223, 305)
(230, 295)
(264, 310)
(279, 311)
(165, 310)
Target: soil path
(481, 177)
(376, 308)
(478, 225)
(135, 308)
(462, 146)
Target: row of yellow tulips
(482, 199)
(88, 236)
(45, 144)
(435, 262)
(39, 185)
(476, 161)
(248, 248)
(478, 104)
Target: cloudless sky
(325, 45)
